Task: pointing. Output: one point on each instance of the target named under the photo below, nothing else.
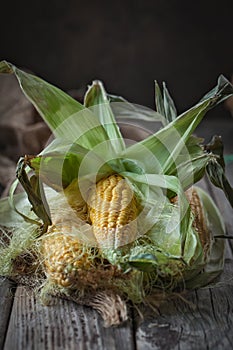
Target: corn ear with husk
(111, 217)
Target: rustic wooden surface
(203, 321)
(64, 325)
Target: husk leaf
(96, 98)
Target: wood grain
(7, 290)
(64, 325)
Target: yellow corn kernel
(112, 211)
(76, 200)
(62, 256)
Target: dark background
(126, 44)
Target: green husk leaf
(164, 103)
(169, 106)
(171, 183)
(215, 147)
(116, 98)
(59, 164)
(164, 147)
(159, 100)
(167, 236)
(20, 234)
(123, 109)
(216, 167)
(191, 171)
(144, 262)
(11, 199)
(12, 214)
(35, 193)
(217, 176)
(191, 162)
(220, 92)
(53, 104)
(96, 97)
(167, 143)
(65, 116)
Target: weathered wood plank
(6, 301)
(205, 320)
(65, 325)
(205, 325)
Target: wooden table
(203, 321)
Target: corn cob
(112, 211)
(63, 256)
(70, 265)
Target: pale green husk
(167, 253)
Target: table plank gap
(7, 291)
